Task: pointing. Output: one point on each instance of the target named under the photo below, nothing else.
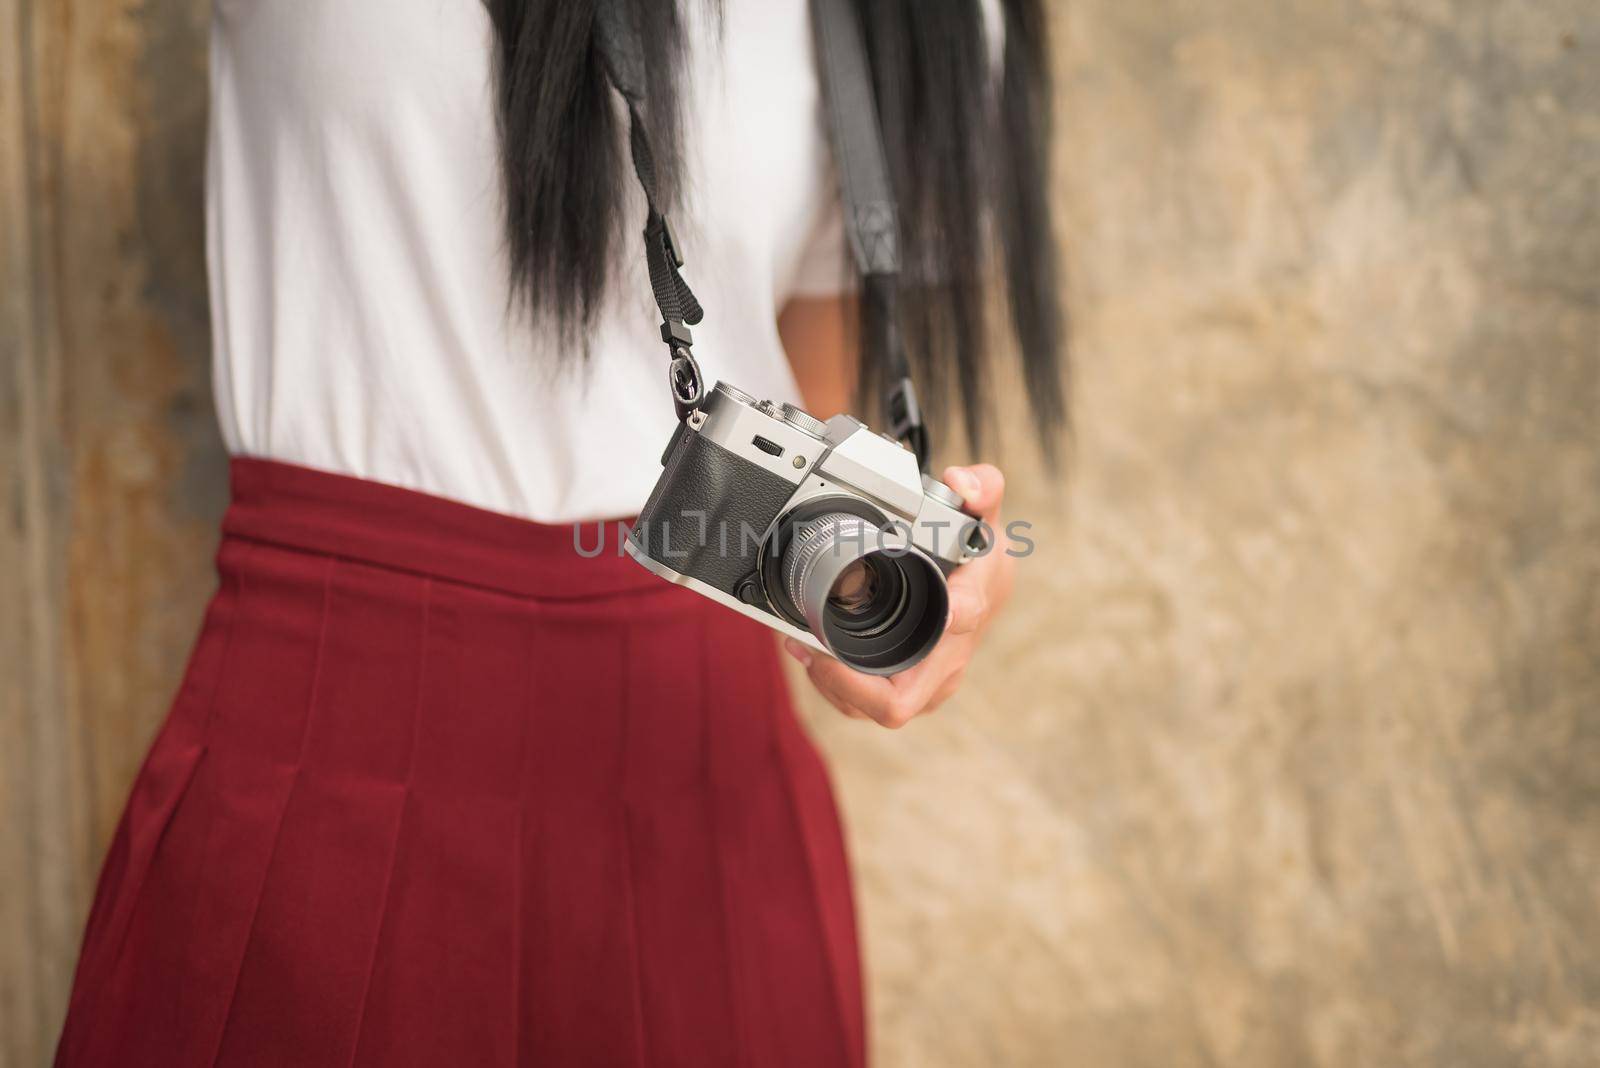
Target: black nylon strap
(676, 300)
(622, 52)
(871, 217)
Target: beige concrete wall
(1289, 751)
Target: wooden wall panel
(111, 477)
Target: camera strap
(622, 52)
(871, 219)
(870, 214)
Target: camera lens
(853, 589)
(877, 604)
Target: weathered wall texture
(1289, 752)
(111, 477)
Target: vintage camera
(827, 532)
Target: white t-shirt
(357, 259)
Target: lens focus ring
(812, 541)
(877, 604)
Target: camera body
(827, 532)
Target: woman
(436, 789)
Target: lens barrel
(877, 603)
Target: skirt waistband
(375, 523)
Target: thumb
(982, 486)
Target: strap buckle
(905, 419)
(658, 228)
(685, 380)
(670, 241)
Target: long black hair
(968, 157)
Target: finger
(844, 707)
(872, 694)
(892, 702)
(982, 487)
(969, 605)
(917, 691)
(826, 683)
(805, 657)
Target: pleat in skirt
(439, 790)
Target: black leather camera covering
(706, 514)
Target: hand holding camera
(830, 534)
(827, 532)
(977, 590)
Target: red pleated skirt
(438, 790)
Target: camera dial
(802, 420)
(940, 492)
